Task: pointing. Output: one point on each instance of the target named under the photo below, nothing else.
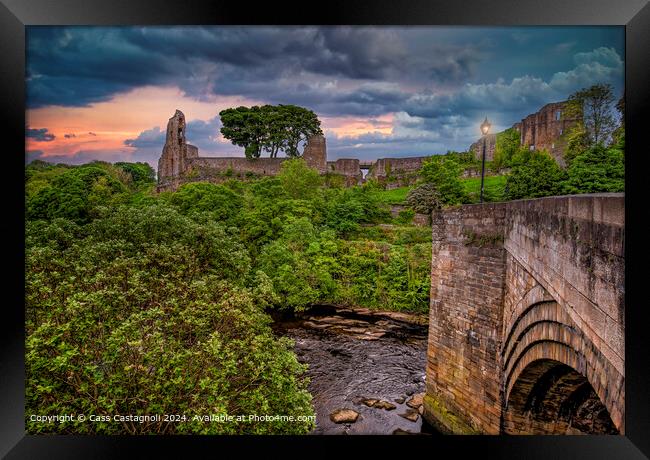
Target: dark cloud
(438, 82)
(39, 134)
(221, 60)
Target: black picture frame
(16, 14)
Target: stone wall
(517, 284)
(395, 167)
(542, 130)
(206, 166)
(490, 142)
(467, 287)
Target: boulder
(415, 401)
(344, 416)
(410, 414)
(384, 405)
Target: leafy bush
(535, 175)
(424, 199)
(597, 169)
(405, 216)
(444, 173)
(143, 312)
(75, 194)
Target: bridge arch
(550, 397)
(552, 372)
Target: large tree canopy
(269, 128)
(594, 107)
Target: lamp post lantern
(485, 128)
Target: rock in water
(344, 416)
(384, 405)
(410, 414)
(369, 402)
(415, 401)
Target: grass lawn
(494, 187)
(395, 196)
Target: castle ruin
(180, 162)
(542, 130)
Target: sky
(106, 93)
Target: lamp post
(485, 127)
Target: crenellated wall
(527, 306)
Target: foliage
(598, 169)
(405, 216)
(222, 203)
(594, 109)
(536, 174)
(143, 311)
(140, 174)
(298, 179)
(507, 145)
(444, 173)
(269, 128)
(301, 264)
(424, 199)
(73, 193)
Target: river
(368, 361)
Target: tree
(597, 169)
(424, 199)
(298, 179)
(243, 127)
(536, 175)
(507, 145)
(300, 124)
(593, 107)
(269, 128)
(444, 173)
(619, 133)
(144, 311)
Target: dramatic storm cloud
(107, 92)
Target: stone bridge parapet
(526, 331)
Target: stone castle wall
(395, 167)
(180, 162)
(490, 142)
(205, 166)
(542, 130)
(497, 269)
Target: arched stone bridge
(526, 331)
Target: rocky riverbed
(366, 368)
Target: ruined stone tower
(315, 154)
(176, 151)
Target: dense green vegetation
(145, 303)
